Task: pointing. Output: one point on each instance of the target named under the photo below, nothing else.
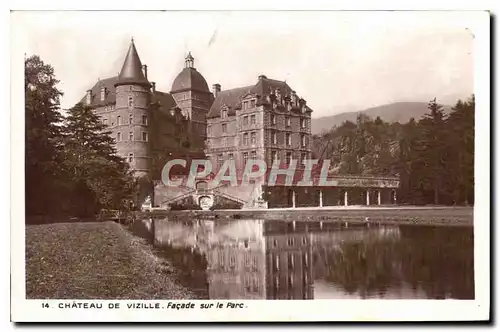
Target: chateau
(266, 120)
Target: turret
(132, 116)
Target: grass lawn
(94, 260)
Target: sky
(337, 61)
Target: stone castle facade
(266, 120)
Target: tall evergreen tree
(432, 150)
(101, 178)
(461, 145)
(43, 182)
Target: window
(231, 156)
(224, 128)
(131, 157)
(105, 121)
(131, 136)
(144, 120)
(302, 123)
(252, 103)
(253, 137)
(288, 139)
(274, 155)
(303, 140)
(118, 120)
(224, 114)
(245, 157)
(145, 136)
(103, 93)
(118, 136)
(245, 139)
(287, 121)
(254, 155)
(288, 157)
(130, 118)
(220, 160)
(224, 141)
(252, 119)
(89, 97)
(291, 261)
(274, 137)
(245, 105)
(247, 260)
(305, 260)
(275, 242)
(245, 121)
(130, 101)
(291, 241)
(304, 158)
(273, 119)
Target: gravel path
(95, 260)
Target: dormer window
(252, 103)
(224, 114)
(103, 93)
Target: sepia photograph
(185, 162)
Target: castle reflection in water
(258, 259)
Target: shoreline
(387, 215)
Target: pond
(269, 259)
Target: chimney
(216, 89)
(153, 87)
(145, 69)
(89, 97)
(262, 77)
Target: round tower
(131, 127)
(191, 93)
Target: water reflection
(263, 259)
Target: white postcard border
(23, 310)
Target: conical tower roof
(131, 72)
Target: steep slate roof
(232, 97)
(166, 100)
(131, 72)
(109, 84)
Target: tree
(101, 179)
(44, 181)
(432, 150)
(461, 145)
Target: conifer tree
(101, 178)
(44, 182)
